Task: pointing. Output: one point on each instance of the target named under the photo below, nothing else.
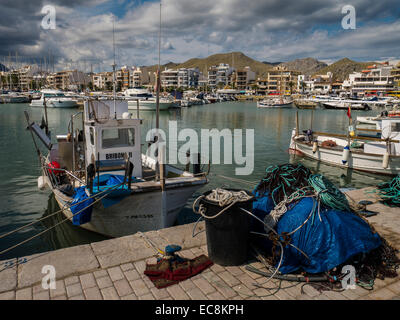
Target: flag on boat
(349, 112)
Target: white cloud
(273, 30)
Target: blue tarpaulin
(106, 182)
(328, 242)
(86, 214)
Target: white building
(373, 79)
(169, 78)
(188, 78)
(219, 75)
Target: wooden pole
(297, 123)
(137, 108)
(162, 168)
(45, 114)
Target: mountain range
(309, 66)
(342, 68)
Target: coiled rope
(390, 192)
(330, 195)
(224, 198)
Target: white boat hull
(138, 212)
(273, 105)
(55, 103)
(357, 160)
(148, 105)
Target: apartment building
(395, 73)
(188, 78)
(244, 78)
(169, 78)
(138, 77)
(373, 79)
(102, 80)
(278, 80)
(220, 76)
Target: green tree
(109, 85)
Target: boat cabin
(111, 134)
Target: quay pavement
(113, 269)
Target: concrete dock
(113, 269)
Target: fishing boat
(54, 99)
(103, 161)
(275, 103)
(305, 104)
(14, 97)
(376, 154)
(340, 105)
(146, 100)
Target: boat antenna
(114, 94)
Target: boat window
(118, 138)
(91, 135)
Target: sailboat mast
(114, 94)
(158, 77)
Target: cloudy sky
(267, 30)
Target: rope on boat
(53, 214)
(62, 221)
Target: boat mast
(158, 78)
(114, 94)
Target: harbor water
(21, 202)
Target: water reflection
(64, 234)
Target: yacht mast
(114, 94)
(158, 78)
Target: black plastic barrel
(228, 234)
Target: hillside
(235, 59)
(342, 68)
(307, 66)
(169, 65)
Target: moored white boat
(54, 99)
(147, 101)
(374, 155)
(275, 103)
(344, 106)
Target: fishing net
(390, 192)
(283, 180)
(316, 237)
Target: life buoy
(54, 165)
